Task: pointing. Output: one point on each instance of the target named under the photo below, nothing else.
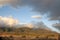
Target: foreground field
(28, 34)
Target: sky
(24, 15)
(26, 11)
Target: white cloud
(8, 21)
(36, 16)
(30, 25)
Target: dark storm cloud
(43, 6)
(57, 25)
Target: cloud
(40, 25)
(36, 16)
(35, 25)
(30, 25)
(43, 6)
(57, 25)
(4, 2)
(8, 21)
(54, 18)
